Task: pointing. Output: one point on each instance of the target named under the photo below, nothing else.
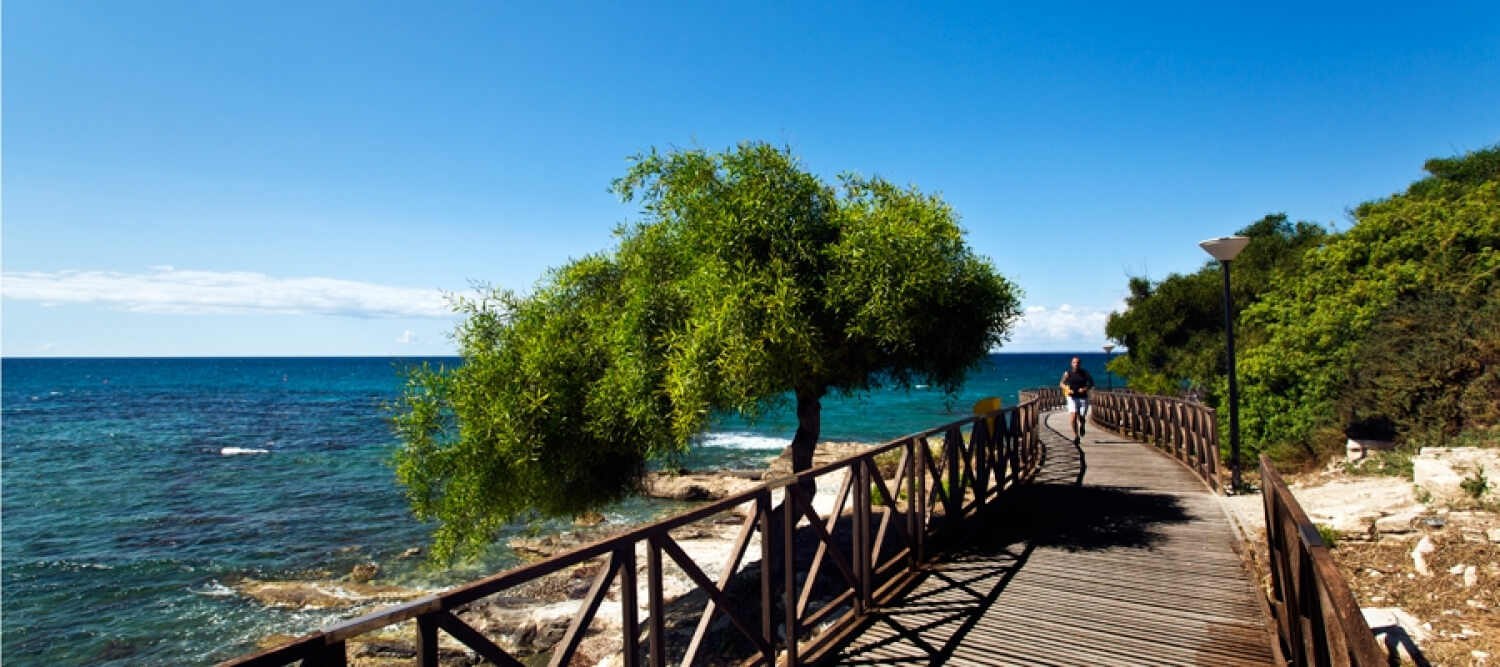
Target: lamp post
(1225, 249)
(1108, 349)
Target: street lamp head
(1225, 248)
(1109, 348)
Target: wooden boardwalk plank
(1135, 565)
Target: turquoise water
(136, 491)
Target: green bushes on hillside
(1387, 329)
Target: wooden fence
(1185, 429)
(782, 614)
(1317, 617)
(1047, 398)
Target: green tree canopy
(1406, 258)
(748, 284)
(1174, 329)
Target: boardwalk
(1117, 556)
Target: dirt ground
(1461, 623)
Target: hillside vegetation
(1390, 329)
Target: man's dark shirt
(1079, 380)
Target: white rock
(1471, 576)
(1419, 555)
(1493, 534)
(1441, 470)
(1398, 523)
(1456, 569)
(1386, 617)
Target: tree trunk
(809, 425)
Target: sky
(264, 177)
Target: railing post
(427, 641)
(656, 605)
(923, 450)
(862, 567)
(913, 527)
(763, 506)
(789, 570)
(954, 507)
(629, 612)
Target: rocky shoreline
(530, 619)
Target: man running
(1076, 383)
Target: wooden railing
(1317, 618)
(1185, 429)
(866, 555)
(1047, 398)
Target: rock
(1419, 556)
(588, 519)
(1441, 471)
(539, 547)
(1398, 630)
(1399, 523)
(696, 487)
(1456, 569)
(825, 452)
(322, 594)
(1357, 507)
(363, 572)
(1471, 576)
(1493, 534)
(411, 553)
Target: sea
(137, 491)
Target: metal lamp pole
(1225, 249)
(1108, 349)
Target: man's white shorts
(1078, 404)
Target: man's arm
(1064, 384)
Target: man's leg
(1073, 418)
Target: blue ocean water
(136, 491)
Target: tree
(1435, 243)
(748, 284)
(1174, 329)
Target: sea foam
(742, 440)
(235, 451)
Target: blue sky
(307, 178)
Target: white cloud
(163, 289)
(1065, 328)
(407, 337)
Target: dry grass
(1461, 619)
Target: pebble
(1471, 577)
(1456, 569)
(1419, 555)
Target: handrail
(935, 492)
(1317, 618)
(1186, 430)
(1048, 398)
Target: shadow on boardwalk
(1065, 573)
(1058, 512)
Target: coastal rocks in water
(364, 572)
(696, 486)
(544, 547)
(322, 594)
(588, 519)
(411, 553)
